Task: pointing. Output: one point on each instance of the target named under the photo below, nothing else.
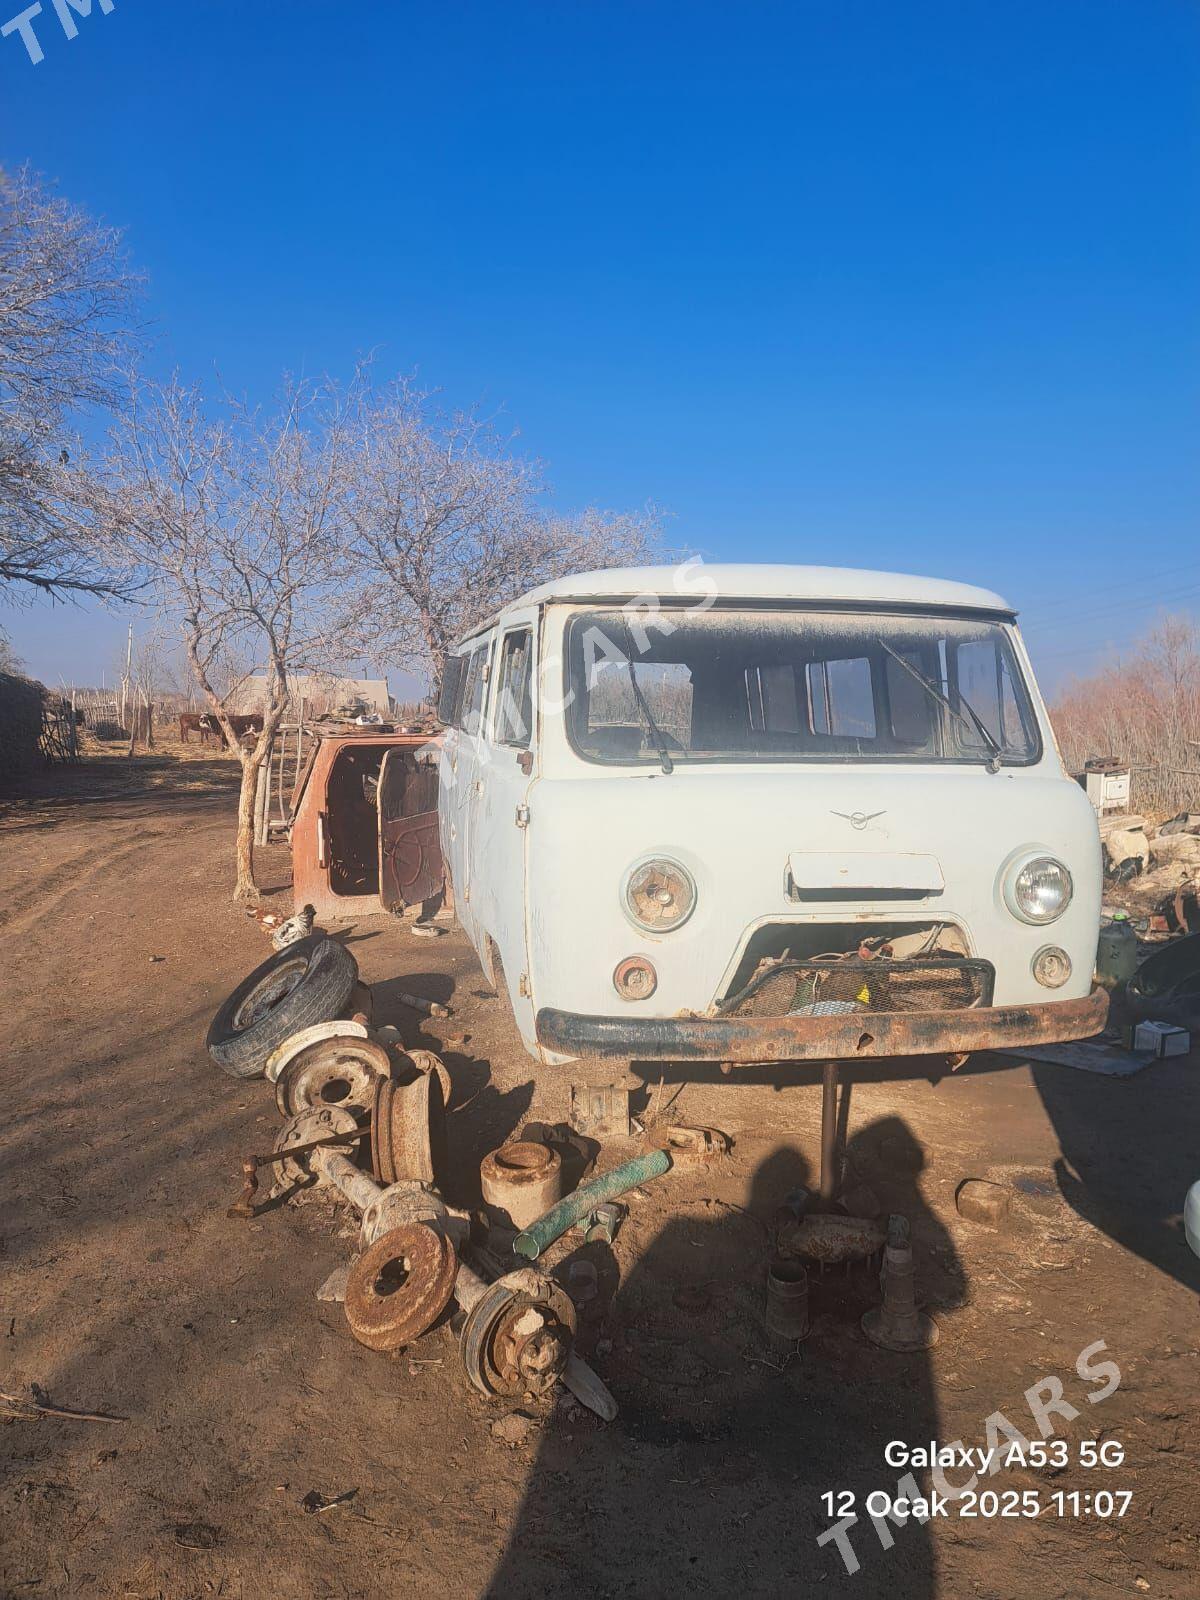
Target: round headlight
(659, 895)
(1039, 890)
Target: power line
(1109, 588)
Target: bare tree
(1145, 710)
(234, 522)
(66, 296)
(449, 524)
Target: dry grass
(1145, 711)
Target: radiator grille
(783, 988)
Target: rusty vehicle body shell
(364, 825)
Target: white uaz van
(766, 813)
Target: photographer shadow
(714, 1476)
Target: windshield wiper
(981, 728)
(652, 727)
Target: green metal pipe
(541, 1234)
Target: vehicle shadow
(711, 1479)
(1104, 1172)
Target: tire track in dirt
(47, 892)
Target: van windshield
(747, 685)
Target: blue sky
(908, 286)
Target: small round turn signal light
(635, 978)
(1051, 966)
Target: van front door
(500, 802)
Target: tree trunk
(246, 888)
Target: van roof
(749, 580)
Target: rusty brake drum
(398, 1288)
(518, 1335)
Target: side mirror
(525, 761)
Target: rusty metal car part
(694, 1143)
(399, 1204)
(310, 1130)
(338, 1028)
(600, 1226)
(829, 1238)
(408, 1130)
(520, 1182)
(875, 982)
(600, 1110)
(400, 1285)
(518, 1334)
(244, 1205)
(786, 1313)
(427, 1061)
(896, 1324)
(361, 1005)
(333, 1071)
(577, 1376)
(744, 1041)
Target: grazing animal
(205, 723)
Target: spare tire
(308, 982)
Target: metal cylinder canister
(520, 1182)
(787, 1299)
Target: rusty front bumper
(864, 1034)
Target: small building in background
(316, 695)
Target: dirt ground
(126, 1290)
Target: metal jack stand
(829, 1151)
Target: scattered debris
(588, 1389)
(829, 1239)
(408, 1129)
(399, 1287)
(1162, 1039)
(600, 1226)
(334, 1287)
(692, 1144)
(600, 1110)
(1166, 987)
(981, 1201)
(567, 1213)
(514, 1429)
(583, 1281)
(896, 1324)
(1086, 1055)
(416, 1002)
(520, 1182)
(786, 1313)
(518, 1331)
(19, 1409)
(315, 1501)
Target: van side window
(514, 708)
(771, 698)
(473, 691)
(452, 677)
(840, 699)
